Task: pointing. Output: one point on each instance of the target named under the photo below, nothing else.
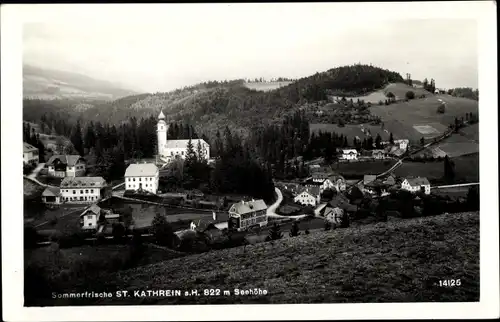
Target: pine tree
(449, 171)
(76, 138)
(378, 141)
(162, 231)
(190, 154)
(200, 153)
(391, 139)
(328, 225)
(422, 141)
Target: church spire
(161, 116)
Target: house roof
(378, 151)
(320, 175)
(93, 208)
(141, 170)
(369, 178)
(69, 160)
(244, 207)
(204, 222)
(51, 192)
(28, 147)
(83, 182)
(182, 144)
(348, 151)
(418, 181)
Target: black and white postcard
(247, 161)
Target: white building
(142, 176)
(170, 149)
(416, 184)
(66, 166)
(30, 154)
(245, 214)
(82, 189)
(349, 154)
(402, 143)
(308, 196)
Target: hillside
(397, 261)
(54, 84)
(211, 106)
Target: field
(266, 86)
(418, 118)
(466, 169)
(352, 130)
(453, 193)
(359, 169)
(462, 143)
(399, 261)
(398, 89)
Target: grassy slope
(398, 89)
(388, 262)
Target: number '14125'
(450, 283)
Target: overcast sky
(177, 45)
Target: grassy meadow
(397, 261)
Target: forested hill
(213, 105)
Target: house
(245, 214)
(349, 154)
(334, 215)
(51, 195)
(416, 184)
(390, 181)
(142, 177)
(66, 166)
(402, 143)
(217, 221)
(319, 209)
(30, 154)
(93, 215)
(308, 196)
(82, 189)
(378, 154)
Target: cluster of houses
(75, 188)
(397, 149)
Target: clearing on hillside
(404, 261)
(266, 86)
(398, 89)
(353, 130)
(419, 118)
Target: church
(170, 149)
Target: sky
(157, 48)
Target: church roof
(161, 116)
(182, 144)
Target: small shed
(51, 195)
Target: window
(182, 152)
(133, 179)
(90, 224)
(92, 190)
(172, 153)
(81, 198)
(140, 179)
(86, 191)
(74, 191)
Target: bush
(294, 231)
(31, 237)
(27, 168)
(410, 95)
(162, 231)
(275, 232)
(328, 225)
(441, 108)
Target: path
(271, 210)
(35, 172)
(118, 185)
(456, 185)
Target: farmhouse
(66, 166)
(245, 214)
(30, 154)
(91, 217)
(142, 177)
(402, 143)
(308, 196)
(326, 181)
(349, 154)
(416, 184)
(51, 195)
(334, 215)
(82, 189)
(378, 154)
(217, 221)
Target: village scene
(194, 186)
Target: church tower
(161, 130)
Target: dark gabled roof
(418, 181)
(208, 221)
(51, 192)
(69, 160)
(28, 147)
